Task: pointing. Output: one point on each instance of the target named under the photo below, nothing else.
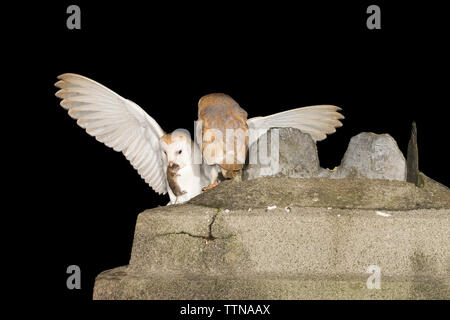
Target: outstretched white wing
(118, 123)
(318, 121)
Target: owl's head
(177, 148)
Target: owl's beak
(171, 163)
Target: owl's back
(218, 111)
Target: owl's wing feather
(118, 123)
(318, 121)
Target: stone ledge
(119, 284)
(184, 240)
(196, 251)
(323, 192)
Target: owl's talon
(212, 185)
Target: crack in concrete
(208, 237)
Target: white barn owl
(164, 160)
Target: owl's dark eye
(179, 151)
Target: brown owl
(223, 133)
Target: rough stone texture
(305, 253)
(320, 192)
(373, 156)
(412, 160)
(198, 251)
(369, 155)
(296, 157)
(304, 240)
(120, 284)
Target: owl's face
(176, 148)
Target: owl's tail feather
(318, 121)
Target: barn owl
(164, 160)
(218, 114)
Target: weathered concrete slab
(120, 284)
(215, 248)
(322, 192)
(302, 241)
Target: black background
(270, 57)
